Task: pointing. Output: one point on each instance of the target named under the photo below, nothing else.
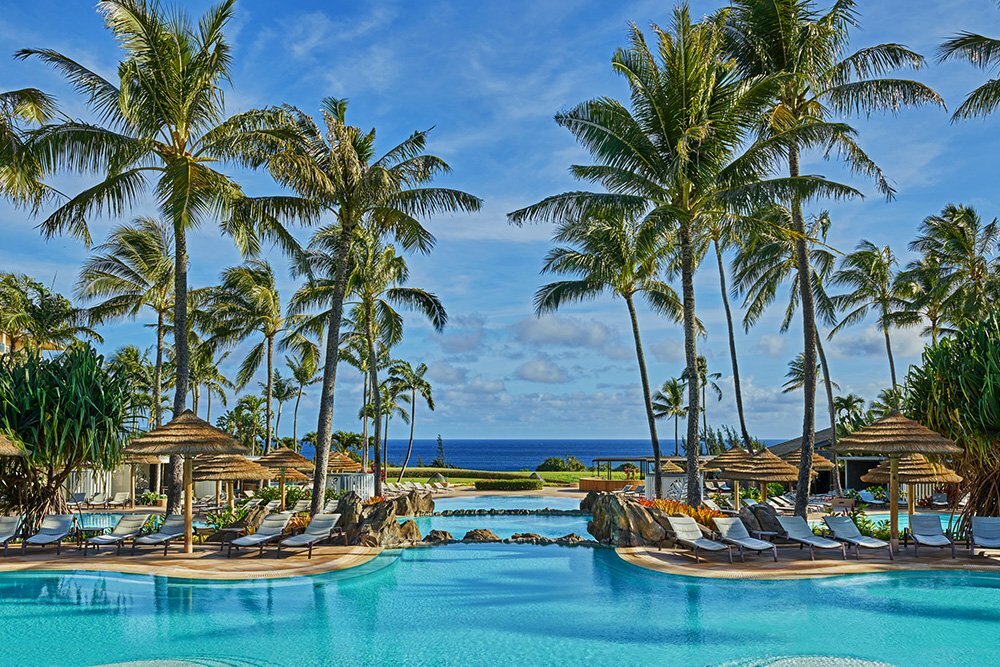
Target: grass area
(469, 477)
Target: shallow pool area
(477, 604)
(505, 526)
(486, 502)
(110, 519)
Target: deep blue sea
(517, 454)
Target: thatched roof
(8, 448)
(763, 467)
(893, 435)
(670, 468)
(913, 469)
(819, 462)
(290, 474)
(230, 468)
(728, 458)
(340, 462)
(283, 457)
(188, 435)
(133, 459)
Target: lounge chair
(171, 529)
(688, 534)
(845, 530)
(321, 528)
(253, 502)
(868, 498)
(77, 500)
(926, 530)
(330, 506)
(939, 500)
(732, 531)
(301, 506)
(269, 531)
(98, 499)
(714, 506)
(797, 530)
(272, 505)
(120, 499)
(625, 489)
(985, 533)
(129, 527)
(52, 531)
(10, 526)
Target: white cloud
(771, 345)
(465, 333)
(541, 370)
(562, 330)
(441, 372)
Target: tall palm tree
(608, 252)
(808, 48)
(34, 318)
(409, 379)
(675, 156)
(132, 270)
(929, 302)
(304, 367)
(983, 52)
(796, 375)
(668, 403)
(340, 172)
(206, 374)
(393, 400)
(850, 412)
(707, 381)
(247, 303)
(134, 365)
(283, 390)
(163, 124)
(870, 271)
(20, 171)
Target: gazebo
(289, 466)
(763, 467)
(132, 460)
(913, 469)
(893, 436)
(732, 457)
(187, 435)
(229, 468)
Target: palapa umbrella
(187, 436)
(670, 468)
(893, 436)
(819, 462)
(729, 458)
(913, 469)
(133, 460)
(289, 466)
(340, 462)
(229, 468)
(763, 467)
(8, 448)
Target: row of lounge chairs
(79, 500)
(629, 490)
(407, 487)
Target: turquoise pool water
(505, 526)
(480, 604)
(110, 519)
(507, 503)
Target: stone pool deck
(207, 562)
(795, 564)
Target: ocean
(516, 454)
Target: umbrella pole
(281, 483)
(763, 491)
(910, 502)
(218, 492)
(736, 495)
(188, 509)
(229, 494)
(894, 502)
(131, 486)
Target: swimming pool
(505, 526)
(507, 503)
(477, 604)
(110, 519)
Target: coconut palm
(707, 381)
(132, 364)
(807, 47)
(133, 270)
(983, 52)
(409, 379)
(20, 171)
(245, 304)
(675, 155)
(929, 300)
(850, 412)
(340, 172)
(304, 367)
(206, 375)
(870, 271)
(668, 403)
(283, 390)
(162, 128)
(34, 318)
(392, 401)
(796, 375)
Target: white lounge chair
(77, 500)
(868, 498)
(269, 531)
(322, 527)
(171, 529)
(272, 505)
(939, 500)
(732, 531)
(10, 526)
(53, 529)
(301, 506)
(985, 533)
(129, 527)
(797, 530)
(120, 499)
(688, 534)
(845, 530)
(330, 506)
(625, 489)
(926, 530)
(98, 499)
(714, 506)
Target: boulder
(587, 504)
(481, 535)
(380, 527)
(572, 538)
(623, 523)
(525, 537)
(438, 536)
(414, 503)
(350, 509)
(767, 517)
(749, 520)
(408, 533)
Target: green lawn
(469, 477)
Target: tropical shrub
(774, 489)
(148, 498)
(374, 500)
(293, 494)
(508, 484)
(702, 515)
(556, 464)
(225, 517)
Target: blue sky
(488, 77)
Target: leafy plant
(702, 515)
(225, 517)
(293, 494)
(148, 498)
(556, 464)
(374, 500)
(508, 484)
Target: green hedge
(459, 473)
(508, 484)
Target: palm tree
(246, 303)
(245, 421)
(796, 375)
(674, 156)
(669, 402)
(392, 401)
(808, 48)
(707, 381)
(206, 373)
(929, 301)
(284, 390)
(340, 173)
(870, 270)
(409, 379)
(609, 252)
(304, 368)
(132, 270)
(33, 318)
(164, 120)
(20, 171)
(850, 412)
(983, 52)
(134, 366)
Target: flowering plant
(374, 500)
(702, 515)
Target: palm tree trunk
(324, 429)
(691, 361)
(676, 433)
(295, 420)
(646, 397)
(158, 372)
(833, 416)
(268, 412)
(195, 396)
(809, 344)
(208, 412)
(892, 363)
(364, 420)
(277, 423)
(376, 399)
(175, 470)
(704, 412)
(385, 440)
(413, 419)
(732, 347)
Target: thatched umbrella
(729, 458)
(133, 460)
(763, 467)
(913, 469)
(187, 436)
(819, 462)
(8, 448)
(289, 466)
(340, 462)
(893, 436)
(670, 468)
(229, 469)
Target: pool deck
(207, 562)
(795, 564)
